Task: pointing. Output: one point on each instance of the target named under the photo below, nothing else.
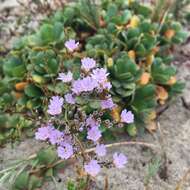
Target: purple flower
(65, 151)
(87, 84)
(107, 104)
(127, 116)
(56, 137)
(91, 122)
(88, 63)
(67, 139)
(106, 85)
(94, 134)
(71, 45)
(44, 133)
(55, 106)
(76, 87)
(119, 160)
(69, 98)
(65, 77)
(100, 75)
(100, 150)
(92, 168)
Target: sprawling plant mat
(110, 62)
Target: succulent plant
(124, 75)
(122, 36)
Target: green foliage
(89, 13)
(14, 67)
(33, 91)
(80, 185)
(127, 39)
(131, 130)
(12, 126)
(124, 74)
(34, 182)
(126, 34)
(21, 181)
(71, 186)
(46, 156)
(153, 168)
(144, 102)
(161, 73)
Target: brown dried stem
(145, 144)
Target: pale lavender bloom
(119, 160)
(55, 106)
(91, 122)
(44, 133)
(100, 75)
(65, 151)
(107, 104)
(56, 137)
(71, 45)
(65, 77)
(69, 98)
(106, 85)
(100, 150)
(92, 168)
(94, 134)
(76, 87)
(127, 116)
(67, 139)
(88, 63)
(87, 84)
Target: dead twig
(145, 144)
(161, 109)
(106, 183)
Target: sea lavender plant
(66, 137)
(126, 37)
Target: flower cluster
(94, 82)
(56, 137)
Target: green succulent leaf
(132, 33)
(52, 66)
(177, 88)
(33, 91)
(34, 182)
(111, 12)
(161, 73)
(144, 98)
(116, 84)
(124, 67)
(94, 104)
(21, 182)
(71, 186)
(50, 33)
(14, 67)
(47, 156)
(131, 129)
